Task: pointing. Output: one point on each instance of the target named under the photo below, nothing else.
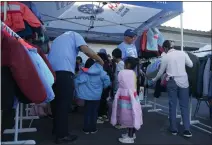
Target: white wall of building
(96, 47)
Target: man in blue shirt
(62, 57)
(127, 46)
(128, 49)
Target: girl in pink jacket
(126, 109)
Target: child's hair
(89, 63)
(103, 56)
(79, 58)
(117, 53)
(131, 63)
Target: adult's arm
(90, 53)
(162, 69)
(82, 45)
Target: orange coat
(17, 13)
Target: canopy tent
(105, 21)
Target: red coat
(14, 56)
(17, 13)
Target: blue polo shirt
(64, 50)
(128, 50)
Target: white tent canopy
(105, 20)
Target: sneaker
(126, 135)
(100, 120)
(86, 132)
(126, 140)
(105, 118)
(187, 133)
(174, 132)
(119, 126)
(94, 132)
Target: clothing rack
(202, 51)
(19, 110)
(10, 31)
(192, 122)
(154, 58)
(148, 60)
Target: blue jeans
(182, 94)
(91, 114)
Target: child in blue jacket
(89, 84)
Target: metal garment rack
(194, 123)
(19, 111)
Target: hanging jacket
(126, 108)
(44, 73)
(203, 62)
(160, 37)
(143, 41)
(210, 87)
(153, 69)
(193, 74)
(152, 40)
(206, 77)
(29, 46)
(89, 83)
(15, 57)
(41, 53)
(145, 53)
(17, 13)
(33, 8)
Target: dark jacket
(193, 74)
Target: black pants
(64, 91)
(90, 116)
(159, 89)
(131, 131)
(103, 107)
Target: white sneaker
(126, 140)
(100, 121)
(105, 118)
(126, 135)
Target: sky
(196, 16)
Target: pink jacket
(127, 85)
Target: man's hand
(151, 82)
(90, 53)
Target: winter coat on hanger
(206, 77)
(15, 56)
(193, 74)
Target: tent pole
(181, 26)
(5, 11)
